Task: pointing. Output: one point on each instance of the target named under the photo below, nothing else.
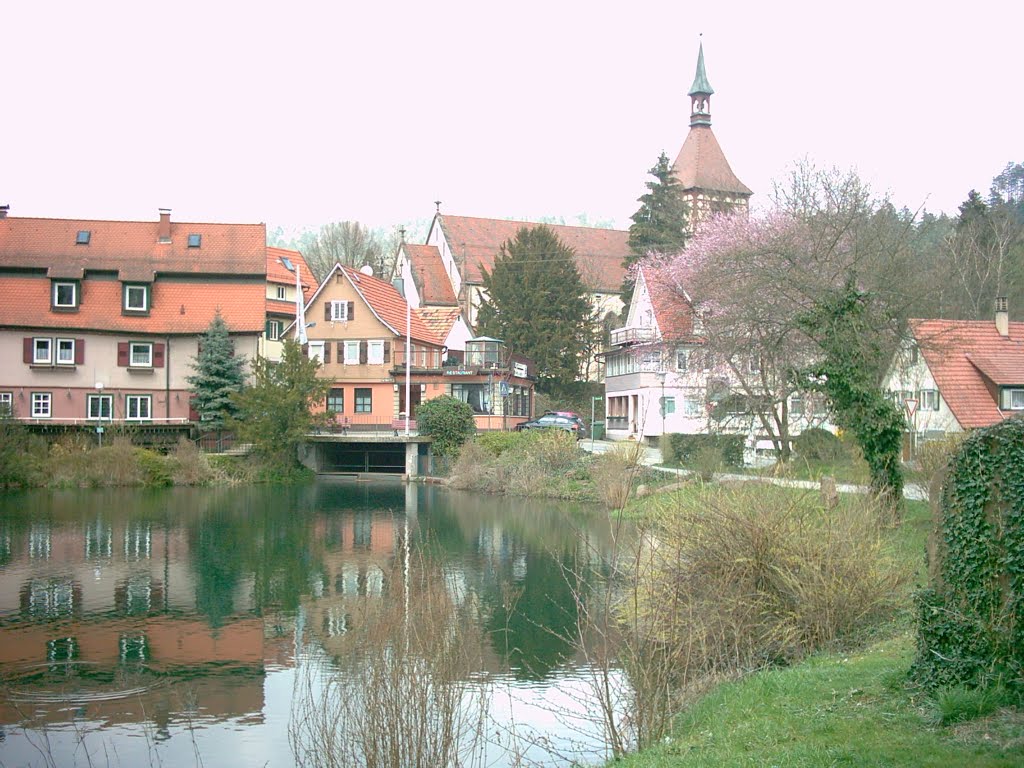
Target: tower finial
(700, 92)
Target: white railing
(631, 335)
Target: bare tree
(352, 244)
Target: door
(414, 395)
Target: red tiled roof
(278, 273)
(439, 319)
(177, 307)
(960, 354)
(278, 307)
(671, 309)
(428, 272)
(388, 304)
(599, 252)
(131, 248)
(701, 164)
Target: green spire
(700, 80)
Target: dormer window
(136, 298)
(194, 240)
(65, 295)
(82, 238)
(1012, 399)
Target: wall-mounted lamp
(69, 394)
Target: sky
(301, 113)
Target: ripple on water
(78, 682)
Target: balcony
(631, 335)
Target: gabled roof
(384, 301)
(701, 164)
(439, 319)
(672, 310)
(131, 248)
(277, 272)
(432, 282)
(475, 243)
(183, 306)
(962, 355)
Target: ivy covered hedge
(684, 448)
(971, 616)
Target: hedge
(684, 448)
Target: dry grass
(615, 471)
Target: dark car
(554, 421)
(569, 415)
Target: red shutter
(122, 354)
(26, 354)
(387, 351)
(158, 355)
(327, 310)
(362, 353)
(351, 314)
(327, 352)
(79, 351)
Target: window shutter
(362, 353)
(327, 310)
(387, 351)
(341, 351)
(122, 354)
(327, 351)
(351, 312)
(266, 329)
(79, 351)
(26, 346)
(158, 355)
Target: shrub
(667, 446)
(448, 420)
(189, 465)
(707, 461)
(614, 472)
(819, 445)
(685, 447)
(155, 468)
(961, 703)
(970, 618)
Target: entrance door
(414, 396)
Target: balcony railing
(631, 335)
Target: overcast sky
(301, 113)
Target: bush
(970, 618)
(614, 472)
(189, 465)
(155, 468)
(448, 420)
(685, 447)
(707, 461)
(667, 447)
(819, 445)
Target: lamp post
(661, 378)
(593, 401)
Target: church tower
(708, 183)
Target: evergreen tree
(219, 374)
(659, 226)
(537, 304)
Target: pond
(197, 626)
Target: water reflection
(185, 612)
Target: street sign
(911, 406)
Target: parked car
(554, 421)
(569, 415)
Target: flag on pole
(300, 310)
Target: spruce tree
(219, 374)
(659, 225)
(537, 304)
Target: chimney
(1002, 317)
(163, 230)
(3, 211)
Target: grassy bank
(851, 707)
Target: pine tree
(219, 374)
(537, 304)
(659, 225)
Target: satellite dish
(366, 269)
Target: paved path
(652, 458)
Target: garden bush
(686, 447)
(971, 615)
(448, 420)
(819, 445)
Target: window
(375, 353)
(796, 405)
(1013, 400)
(6, 403)
(65, 295)
(364, 400)
(140, 354)
(338, 311)
(316, 350)
(668, 405)
(42, 351)
(287, 264)
(692, 406)
(928, 399)
(914, 354)
(136, 298)
(682, 358)
(83, 237)
(194, 240)
(282, 292)
(351, 353)
(65, 351)
(476, 395)
(138, 407)
(41, 405)
(273, 330)
(100, 406)
(651, 360)
(336, 401)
